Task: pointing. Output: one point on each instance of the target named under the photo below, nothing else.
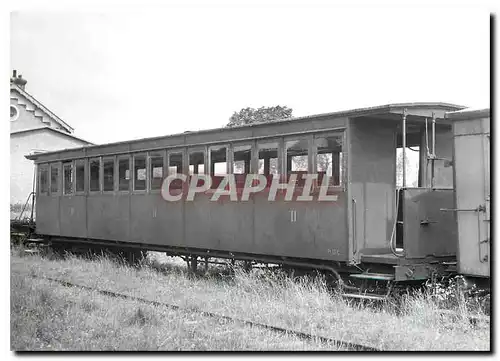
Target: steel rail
(299, 334)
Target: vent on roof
(18, 79)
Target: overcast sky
(117, 76)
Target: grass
(46, 316)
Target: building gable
(28, 113)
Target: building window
(68, 177)
(44, 179)
(80, 175)
(108, 170)
(140, 173)
(54, 178)
(94, 167)
(14, 113)
(156, 174)
(124, 173)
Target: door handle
(426, 222)
(354, 240)
(480, 208)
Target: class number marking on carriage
(333, 251)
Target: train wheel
(194, 264)
(131, 257)
(57, 250)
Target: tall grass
(46, 316)
(304, 304)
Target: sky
(120, 75)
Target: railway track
(302, 335)
(474, 319)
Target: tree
(270, 114)
(260, 115)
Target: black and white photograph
(250, 176)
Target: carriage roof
(388, 112)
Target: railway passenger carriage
(111, 193)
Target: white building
(33, 128)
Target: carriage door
(472, 200)
(372, 155)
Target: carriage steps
(33, 246)
(365, 296)
(367, 276)
(35, 240)
(373, 276)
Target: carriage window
(175, 167)
(68, 178)
(296, 156)
(242, 155)
(329, 158)
(218, 161)
(123, 174)
(54, 178)
(108, 170)
(175, 163)
(140, 173)
(218, 165)
(80, 175)
(94, 167)
(268, 158)
(44, 179)
(196, 163)
(411, 165)
(156, 171)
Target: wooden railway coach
(111, 193)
